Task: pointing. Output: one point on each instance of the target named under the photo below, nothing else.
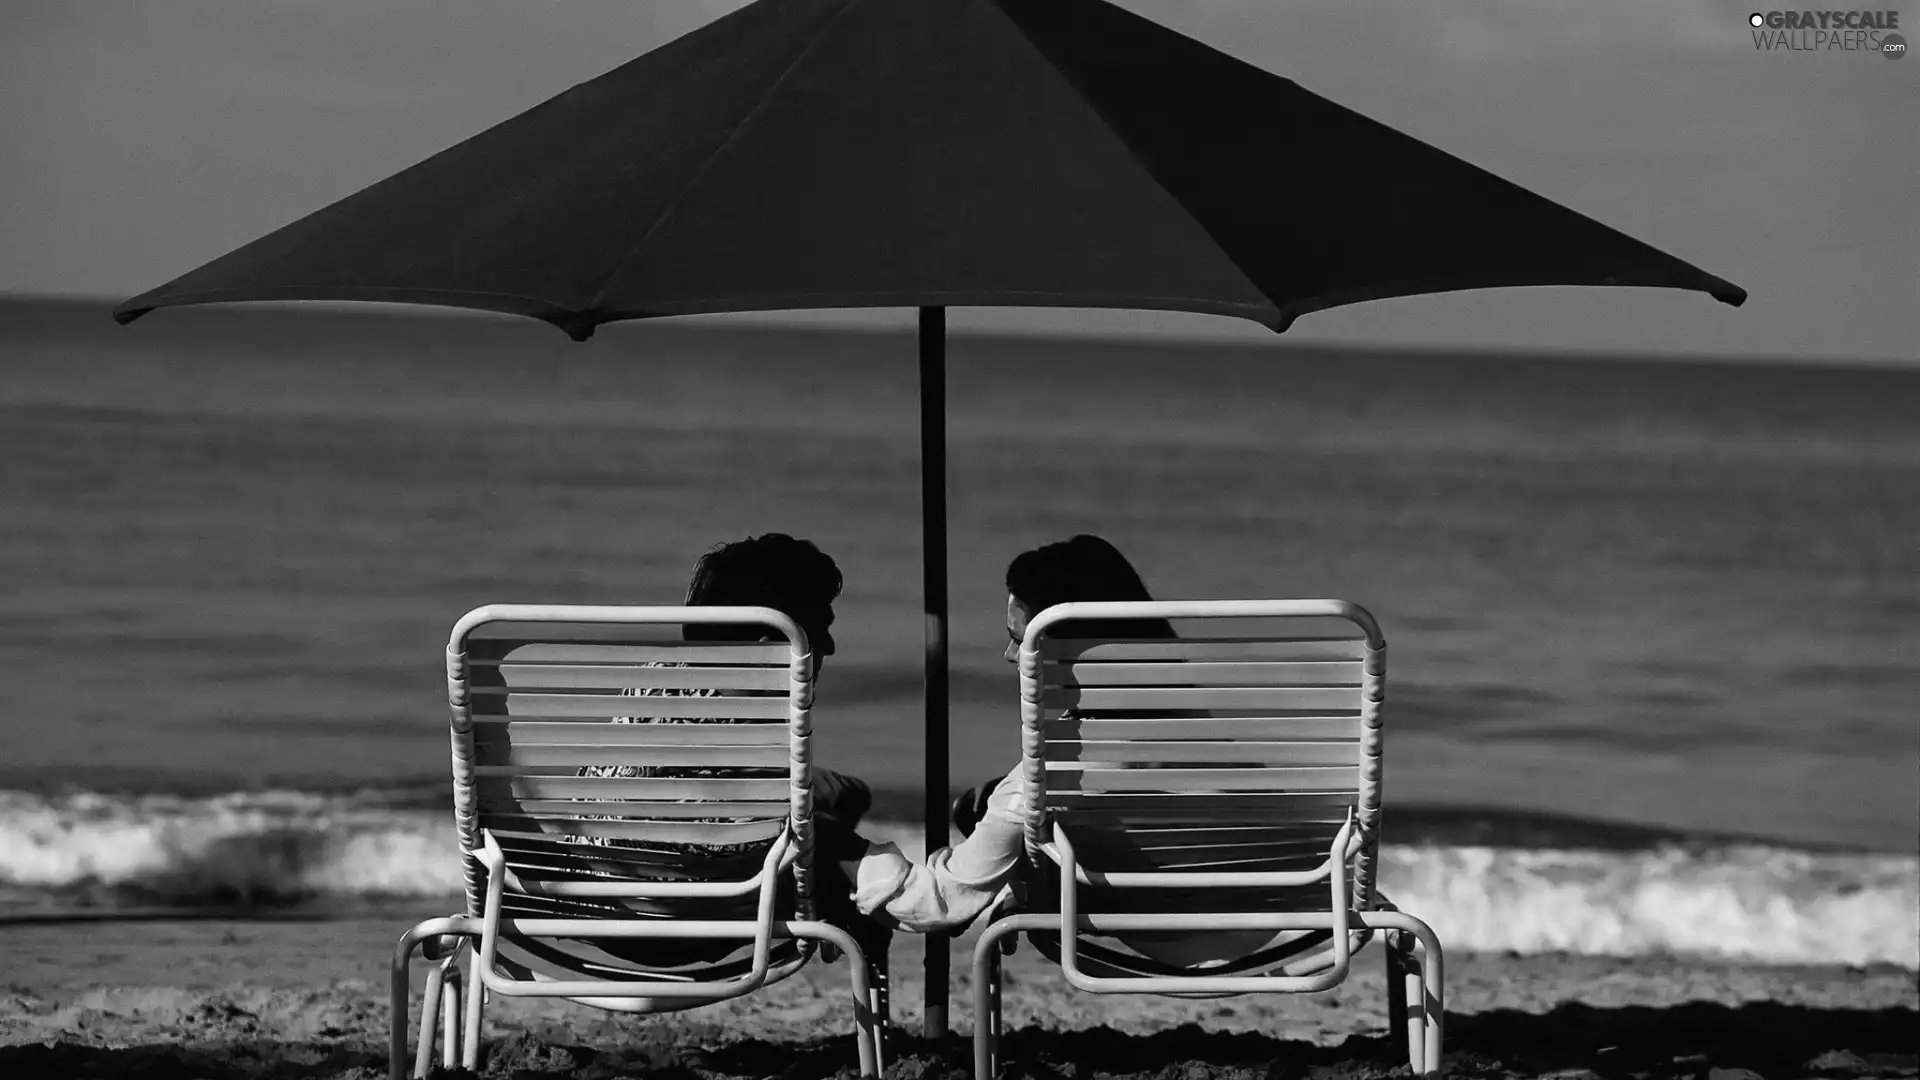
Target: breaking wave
(1559, 892)
(1743, 902)
(245, 849)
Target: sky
(140, 139)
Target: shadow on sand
(1695, 1041)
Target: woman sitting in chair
(958, 883)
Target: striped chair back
(599, 744)
(1229, 749)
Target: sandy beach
(306, 998)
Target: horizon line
(773, 321)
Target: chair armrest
(491, 923)
(1338, 918)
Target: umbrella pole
(933, 545)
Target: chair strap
(783, 950)
(1100, 961)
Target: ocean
(1651, 622)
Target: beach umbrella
(929, 153)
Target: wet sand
(307, 999)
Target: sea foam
(1740, 902)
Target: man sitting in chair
(797, 579)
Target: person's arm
(957, 883)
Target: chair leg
(866, 1038)
(1432, 1009)
(1423, 984)
(984, 1043)
(986, 1000)
(881, 981)
(866, 1033)
(470, 1021)
(428, 934)
(429, 1020)
(450, 1016)
(1413, 991)
(1394, 945)
(400, 989)
(995, 1026)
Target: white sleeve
(957, 883)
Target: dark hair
(1085, 568)
(790, 576)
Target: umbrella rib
(733, 133)
(1732, 295)
(529, 306)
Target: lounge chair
(1224, 782)
(657, 889)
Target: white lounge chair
(1229, 781)
(680, 866)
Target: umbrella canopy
(854, 153)
(928, 153)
